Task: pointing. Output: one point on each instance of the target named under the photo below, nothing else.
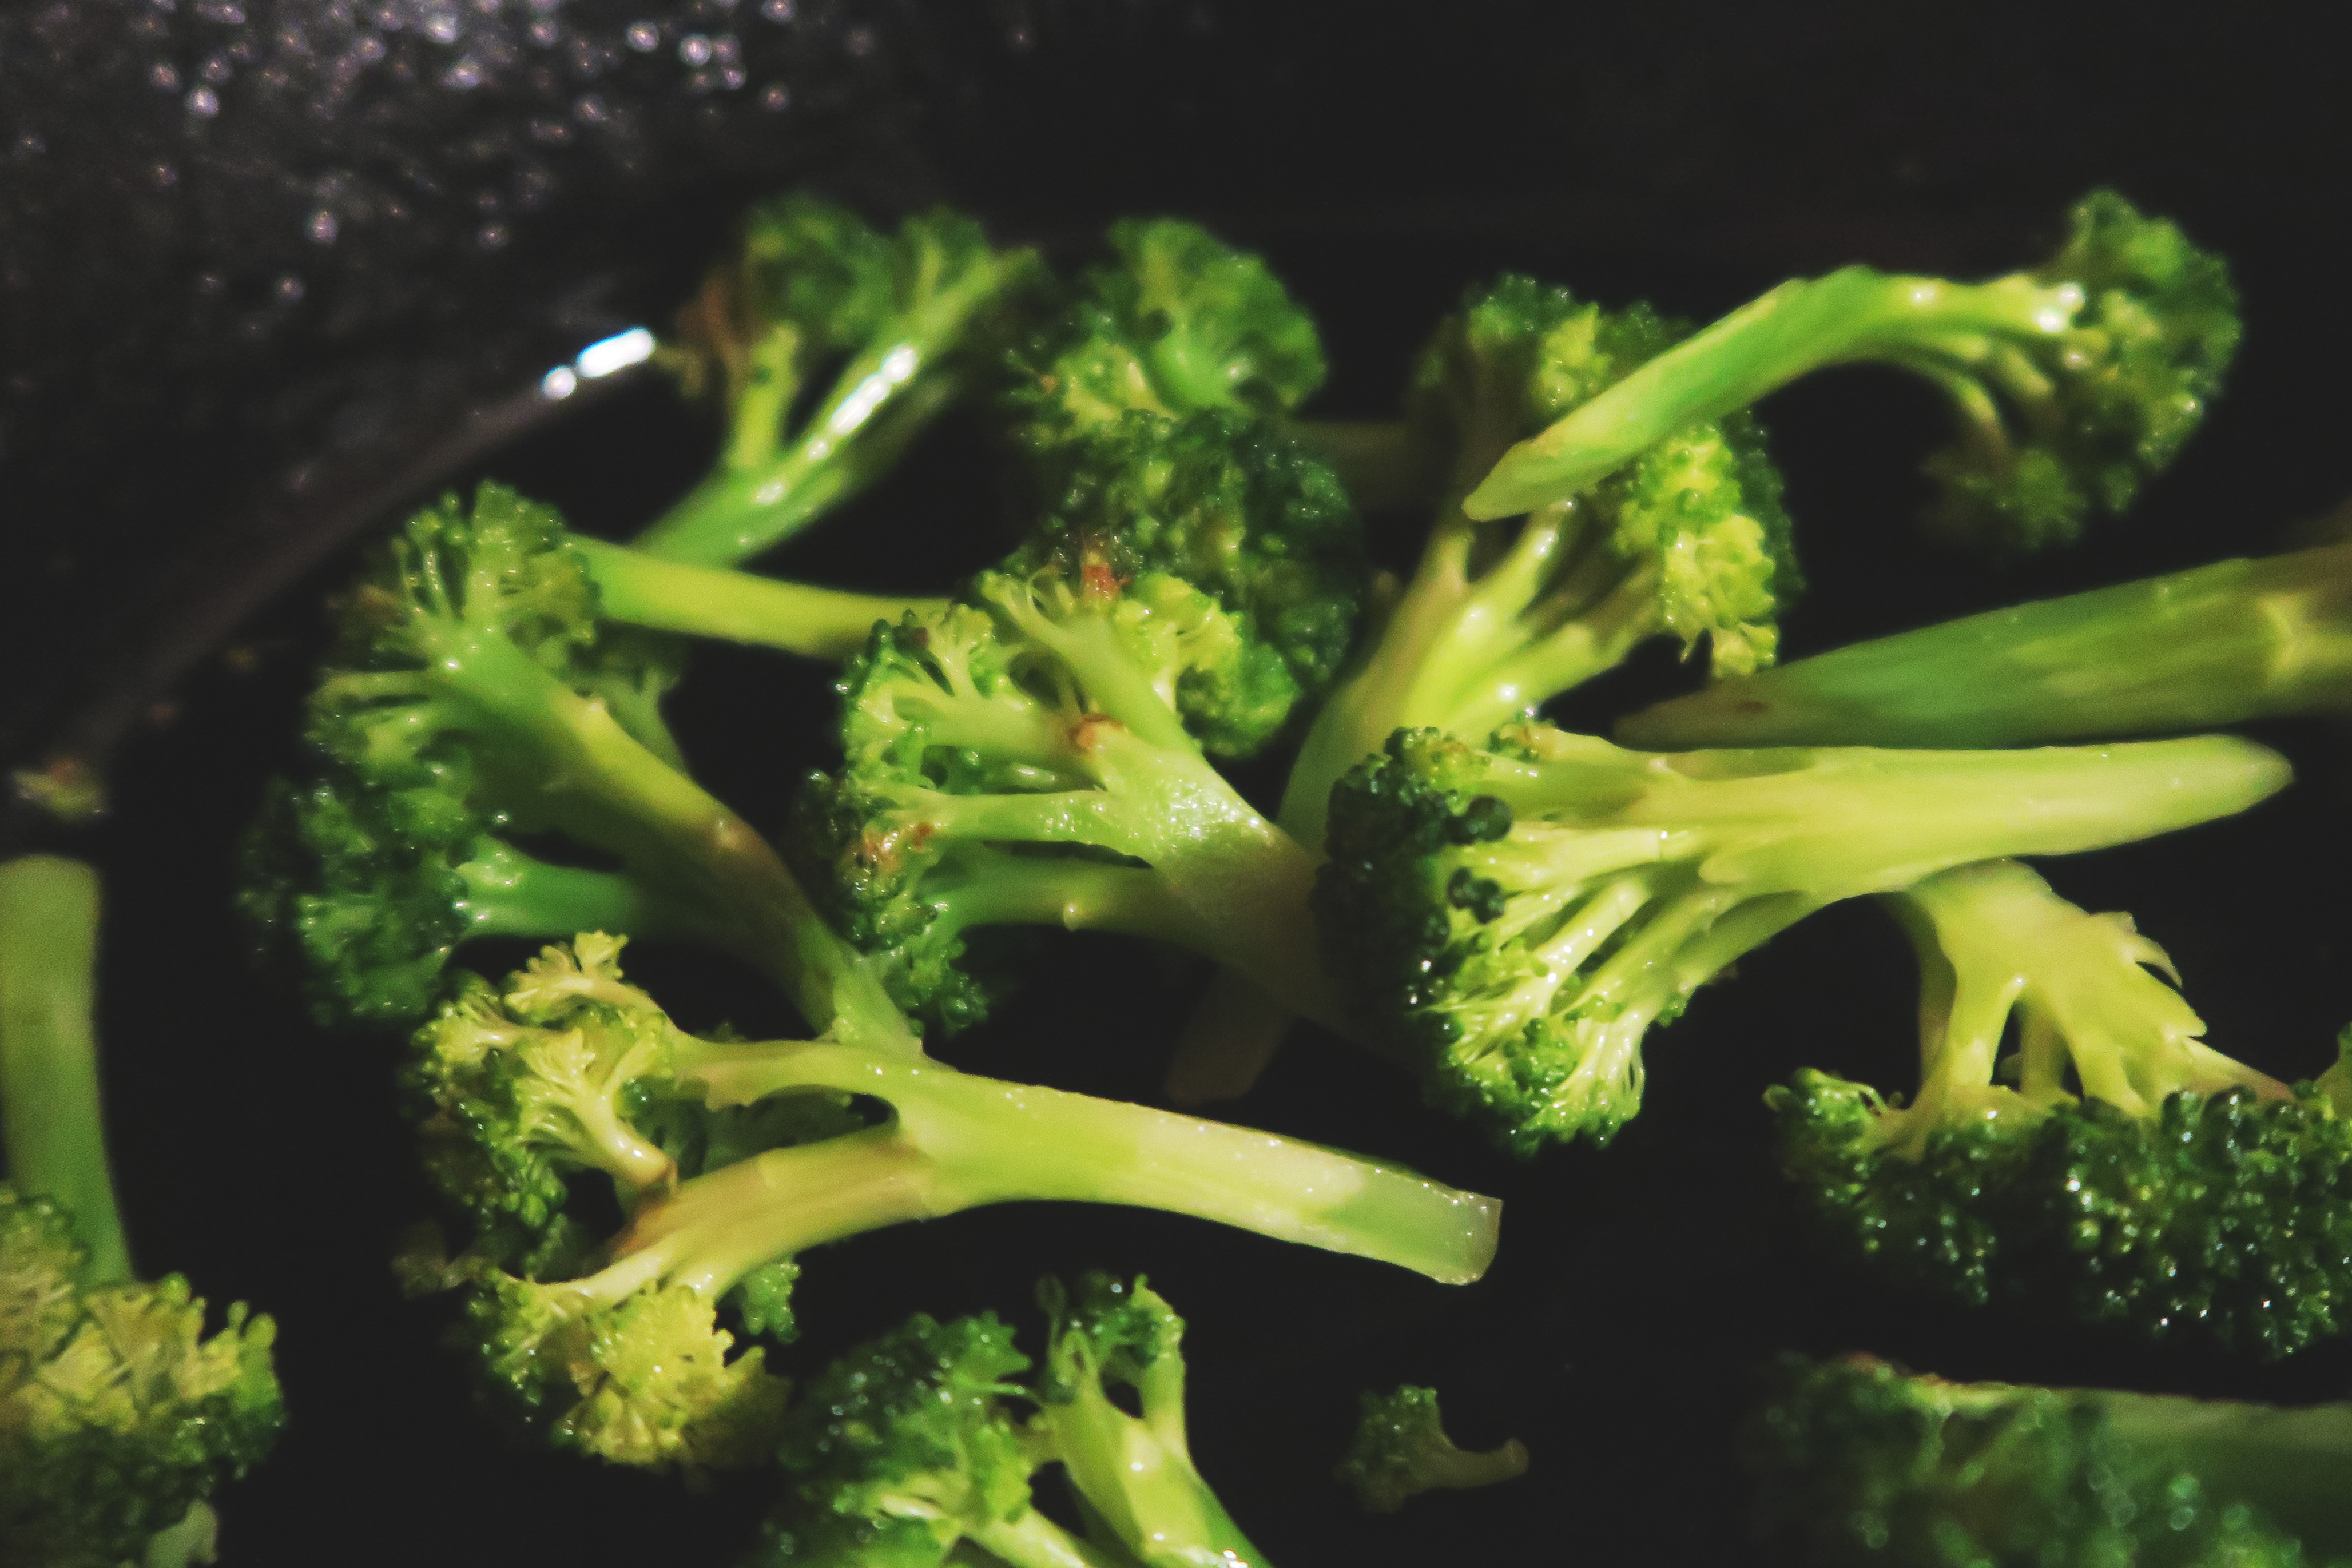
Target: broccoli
(634, 589)
(1858, 1461)
(1513, 918)
(2180, 1195)
(2071, 383)
(120, 1416)
(919, 1448)
(2233, 641)
(731, 1159)
(1401, 1450)
(911, 320)
(1035, 755)
(477, 740)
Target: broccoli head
(1401, 1450)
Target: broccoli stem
(50, 1113)
(1030, 1539)
(2286, 1462)
(1954, 329)
(1075, 894)
(641, 590)
(2234, 640)
(957, 1141)
(1136, 1474)
(511, 893)
(593, 779)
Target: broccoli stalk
(2179, 1193)
(1401, 1450)
(909, 318)
(909, 1449)
(2071, 383)
(1514, 919)
(637, 589)
(1858, 1461)
(2218, 645)
(119, 1417)
(731, 1159)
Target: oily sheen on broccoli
(2070, 384)
(120, 1415)
(1513, 918)
(920, 1448)
(729, 1159)
(2172, 1191)
(1858, 1461)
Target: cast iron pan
(270, 272)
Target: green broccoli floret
(911, 320)
(730, 1158)
(1180, 322)
(1401, 1450)
(2180, 1194)
(120, 1416)
(471, 703)
(2072, 382)
(919, 1448)
(1859, 1462)
(2192, 650)
(1035, 757)
(1513, 918)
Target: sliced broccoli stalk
(637, 589)
(2112, 1165)
(2072, 384)
(2192, 650)
(1513, 919)
(1858, 1461)
(456, 711)
(911, 1448)
(909, 319)
(118, 1414)
(1051, 724)
(1400, 1450)
(729, 1158)
(1179, 323)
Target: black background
(1382, 156)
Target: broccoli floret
(2181, 1194)
(468, 703)
(1401, 1450)
(119, 1416)
(2072, 382)
(1513, 918)
(729, 1157)
(921, 1448)
(2222, 644)
(911, 321)
(1179, 323)
(1033, 757)
(1859, 1462)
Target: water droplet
(210, 283)
(727, 49)
(217, 69)
(492, 237)
(859, 43)
(227, 13)
(590, 109)
(442, 28)
(694, 49)
(644, 37)
(204, 103)
(546, 33)
(775, 98)
(462, 74)
(324, 227)
(733, 77)
(778, 11)
(165, 175)
(288, 289)
(163, 77)
(559, 383)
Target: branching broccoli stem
(2192, 649)
(467, 703)
(637, 589)
(909, 319)
(1860, 1462)
(2111, 1165)
(1400, 1450)
(731, 1159)
(910, 1448)
(2072, 384)
(1516, 918)
(119, 1417)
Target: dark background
(182, 431)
